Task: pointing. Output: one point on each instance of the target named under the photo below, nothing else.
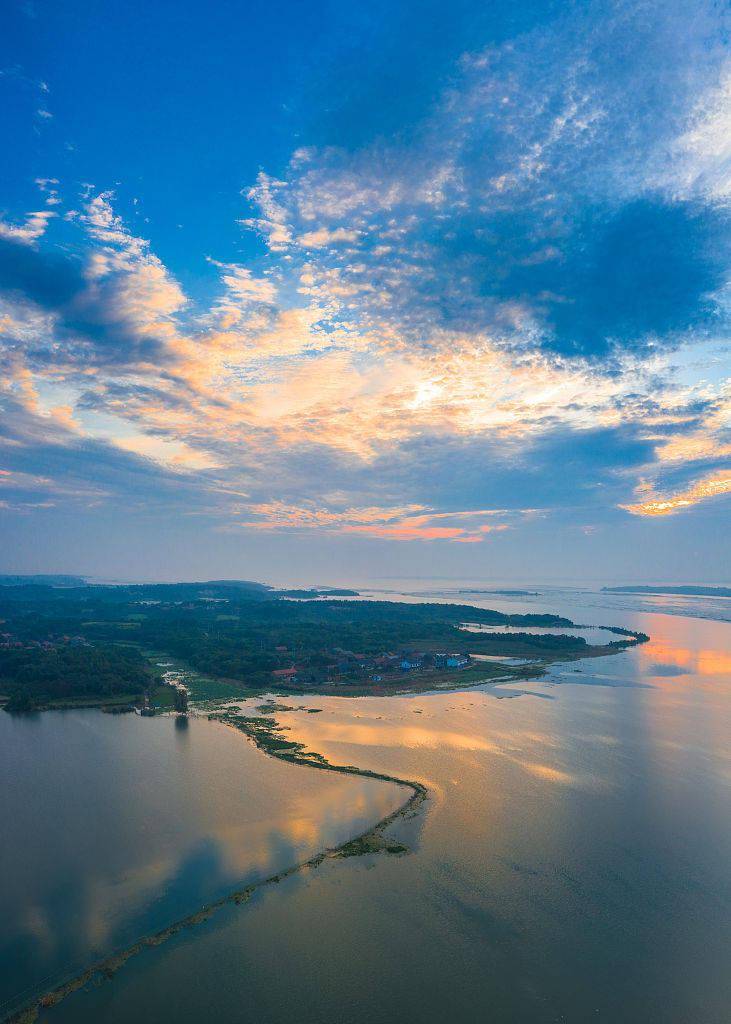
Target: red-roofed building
(286, 674)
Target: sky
(325, 292)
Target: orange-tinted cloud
(708, 487)
(409, 522)
(280, 367)
(406, 531)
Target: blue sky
(325, 291)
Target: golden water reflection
(699, 662)
(173, 827)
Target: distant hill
(63, 588)
(185, 590)
(42, 580)
(679, 591)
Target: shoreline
(445, 682)
(265, 738)
(417, 684)
(397, 685)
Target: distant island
(670, 591)
(132, 646)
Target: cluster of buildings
(345, 667)
(417, 661)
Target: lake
(571, 864)
(118, 825)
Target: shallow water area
(594, 635)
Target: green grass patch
(164, 697)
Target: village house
(286, 675)
(412, 662)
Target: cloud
(250, 388)
(128, 282)
(33, 228)
(272, 223)
(702, 153)
(411, 522)
(649, 272)
(46, 279)
(243, 288)
(322, 237)
(532, 206)
(712, 486)
(174, 455)
(407, 531)
(489, 310)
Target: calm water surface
(116, 826)
(572, 864)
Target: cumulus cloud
(242, 287)
(138, 288)
(28, 232)
(322, 237)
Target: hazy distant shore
(671, 591)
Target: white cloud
(34, 227)
(273, 220)
(137, 287)
(327, 236)
(242, 288)
(703, 151)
